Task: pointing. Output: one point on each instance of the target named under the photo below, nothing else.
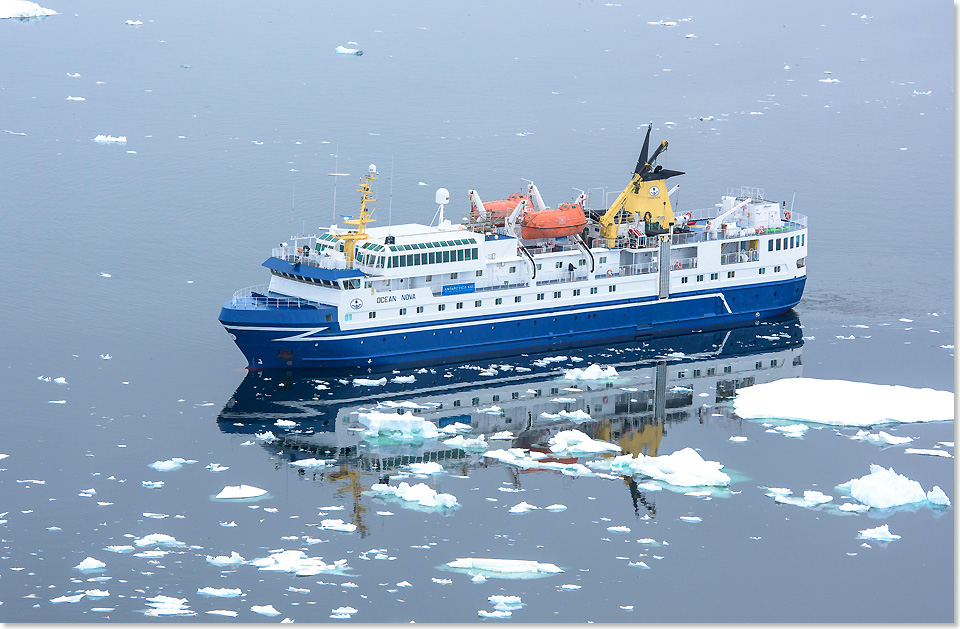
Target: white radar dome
(443, 196)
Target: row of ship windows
(800, 240)
(730, 274)
(417, 259)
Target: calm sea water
(234, 113)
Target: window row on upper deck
(417, 259)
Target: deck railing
(260, 296)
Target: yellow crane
(350, 239)
(645, 196)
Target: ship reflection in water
(660, 382)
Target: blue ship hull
(294, 336)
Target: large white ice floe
(578, 443)
(297, 562)
(237, 492)
(170, 465)
(503, 568)
(427, 467)
(414, 495)
(23, 9)
(593, 372)
(883, 488)
(405, 427)
(880, 533)
(683, 468)
(159, 539)
(843, 403)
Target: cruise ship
(515, 276)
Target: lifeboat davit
(566, 220)
(497, 211)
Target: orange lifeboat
(566, 220)
(497, 211)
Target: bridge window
(778, 244)
(403, 311)
(770, 245)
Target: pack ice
(843, 403)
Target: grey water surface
(117, 258)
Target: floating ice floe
(526, 459)
(928, 452)
(522, 507)
(110, 139)
(366, 382)
(152, 484)
(264, 610)
(216, 467)
(297, 562)
(577, 442)
(504, 568)
(23, 9)
(618, 529)
(338, 525)
(266, 436)
(234, 560)
(691, 518)
(342, 50)
(593, 372)
(578, 416)
(159, 539)
(223, 612)
(881, 438)
(794, 431)
(312, 463)
(737, 439)
(683, 468)
(170, 465)
(880, 533)
(429, 467)
(76, 98)
(410, 495)
(503, 435)
(68, 598)
(842, 403)
(810, 498)
(494, 614)
(232, 492)
(97, 593)
(405, 427)
(89, 564)
(285, 423)
(883, 488)
(168, 606)
(478, 443)
(220, 592)
(124, 548)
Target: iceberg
(881, 534)
(843, 403)
(23, 9)
(883, 488)
(683, 468)
(937, 497)
(419, 494)
(232, 492)
(405, 427)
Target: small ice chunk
(264, 610)
(419, 494)
(429, 467)
(223, 612)
(928, 452)
(216, 467)
(98, 593)
(168, 606)
(556, 507)
(231, 492)
(737, 439)
(938, 497)
(683, 468)
(522, 507)
(285, 423)
(593, 372)
(404, 379)
(691, 518)
(503, 435)
(221, 561)
(854, 508)
(881, 438)
(881, 534)
(494, 614)
(312, 463)
(89, 564)
(110, 139)
(221, 592)
(338, 525)
(159, 539)
(366, 382)
(405, 427)
(577, 442)
(618, 529)
(342, 50)
(68, 598)
(152, 484)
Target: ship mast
(350, 239)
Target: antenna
(390, 203)
(336, 174)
